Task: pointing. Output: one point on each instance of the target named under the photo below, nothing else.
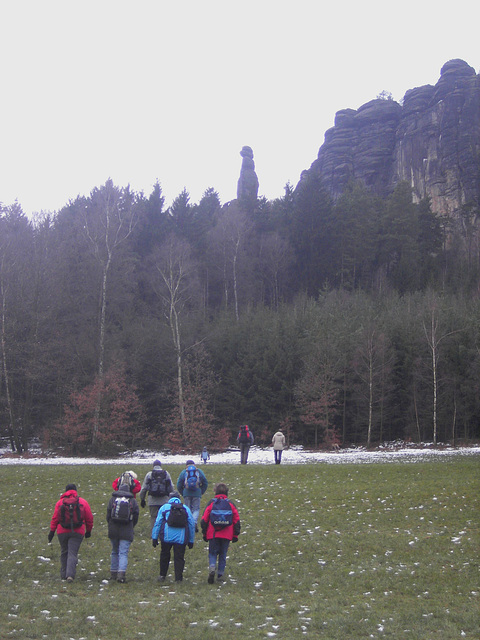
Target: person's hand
(205, 537)
(88, 534)
(234, 539)
(50, 536)
(190, 545)
(154, 542)
(143, 503)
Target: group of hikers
(173, 523)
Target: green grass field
(326, 551)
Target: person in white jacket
(278, 442)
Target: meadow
(341, 552)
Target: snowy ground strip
(258, 455)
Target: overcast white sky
(162, 90)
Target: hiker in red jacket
(129, 478)
(72, 520)
(220, 525)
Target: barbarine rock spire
(247, 186)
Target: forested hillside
(347, 321)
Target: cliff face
(432, 141)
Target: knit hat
(157, 463)
(190, 462)
(133, 474)
(71, 487)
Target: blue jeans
(193, 503)
(217, 547)
(119, 557)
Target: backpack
(177, 517)
(192, 477)
(126, 478)
(121, 510)
(244, 437)
(158, 483)
(221, 514)
(72, 513)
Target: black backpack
(72, 513)
(158, 483)
(177, 517)
(121, 511)
(221, 514)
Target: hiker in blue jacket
(192, 484)
(176, 537)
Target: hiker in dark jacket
(121, 533)
(70, 533)
(176, 538)
(245, 439)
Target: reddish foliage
(120, 417)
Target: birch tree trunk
(109, 221)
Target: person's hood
(172, 500)
(123, 492)
(70, 492)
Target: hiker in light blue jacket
(176, 537)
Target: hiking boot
(69, 579)
(113, 575)
(211, 577)
(121, 576)
(161, 579)
(220, 578)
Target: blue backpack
(192, 477)
(221, 515)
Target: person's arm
(181, 482)
(204, 482)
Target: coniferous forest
(128, 324)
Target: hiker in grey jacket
(158, 484)
(278, 442)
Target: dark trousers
(278, 455)
(244, 448)
(69, 545)
(178, 558)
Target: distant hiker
(129, 478)
(245, 439)
(122, 516)
(72, 520)
(278, 442)
(158, 484)
(205, 455)
(175, 528)
(220, 524)
(192, 484)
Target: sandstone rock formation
(432, 141)
(247, 186)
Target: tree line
(125, 323)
